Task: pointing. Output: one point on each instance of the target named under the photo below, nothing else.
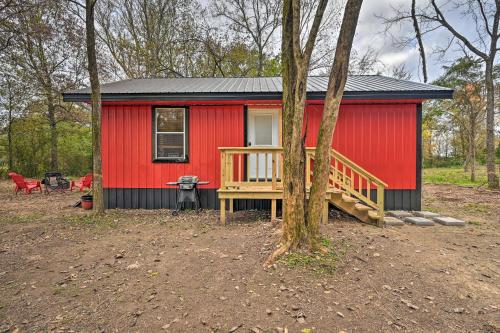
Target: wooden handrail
(250, 149)
(343, 178)
(352, 165)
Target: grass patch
(21, 218)
(454, 175)
(477, 207)
(319, 263)
(107, 220)
(67, 291)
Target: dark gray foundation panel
(156, 198)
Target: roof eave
(348, 95)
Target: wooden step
(347, 198)
(362, 207)
(373, 214)
(351, 206)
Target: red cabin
(155, 130)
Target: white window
(170, 134)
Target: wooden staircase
(352, 189)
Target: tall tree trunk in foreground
(297, 231)
(472, 148)
(418, 36)
(335, 90)
(493, 181)
(51, 114)
(9, 125)
(98, 198)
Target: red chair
(82, 183)
(22, 184)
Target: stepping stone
(444, 220)
(427, 215)
(420, 221)
(400, 214)
(392, 221)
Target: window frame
(157, 159)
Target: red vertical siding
(379, 137)
(127, 145)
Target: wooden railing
(252, 167)
(349, 177)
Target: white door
(262, 132)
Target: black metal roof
(357, 87)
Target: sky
(370, 33)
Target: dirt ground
(146, 271)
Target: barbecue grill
(187, 191)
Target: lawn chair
(55, 181)
(28, 185)
(82, 183)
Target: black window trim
(186, 135)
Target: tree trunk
(490, 126)
(51, 114)
(294, 231)
(336, 84)
(295, 67)
(98, 198)
(471, 158)
(9, 128)
(418, 36)
(260, 70)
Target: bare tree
(367, 62)
(10, 95)
(418, 36)
(401, 72)
(483, 17)
(9, 10)
(467, 110)
(257, 19)
(155, 38)
(486, 17)
(97, 192)
(46, 49)
(300, 222)
(400, 16)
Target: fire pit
(187, 191)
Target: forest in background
(42, 54)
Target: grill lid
(188, 180)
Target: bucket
(86, 201)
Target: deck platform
(349, 185)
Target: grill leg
(178, 206)
(197, 204)
(231, 206)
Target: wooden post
(380, 204)
(223, 211)
(325, 212)
(273, 171)
(231, 207)
(223, 170)
(308, 169)
(273, 210)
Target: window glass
(170, 135)
(170, 120)
(263, 130)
